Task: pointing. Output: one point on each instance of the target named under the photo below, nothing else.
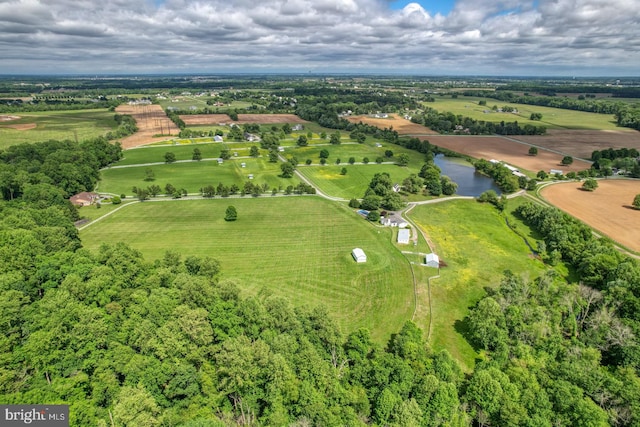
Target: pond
(470, 182)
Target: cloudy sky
(428, 37)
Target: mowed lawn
(60, 125)
(354, 183)
(194, 175)
(477, 246)
(154, 153)
(552, 118)
(298, 247)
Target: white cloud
(478, 36)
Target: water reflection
(470, 183)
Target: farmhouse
(359, 255)
(297, 127)
(404, 234)
(432, 260)
(555, 172)
(217, 138)
(391, 220)
(84, 198)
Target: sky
(428, 37)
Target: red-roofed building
(84, 199)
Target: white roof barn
(404, 234)
(359, 255)
(432, 260)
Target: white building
(359, 255)
(404, 234)
(432, 260)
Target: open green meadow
(330, 180)
(477, 246)
(298, 247)
(194, 175)
(154, 153)
(552, 118)
(75, 125)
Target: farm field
(607, 209)
(151, 121)
(552, 118)
(296, 247)
(194, 175)
(330, 181)
(581, 143)
(511, 152)
(214, 119)
(60, 125)
(399, 124)
(477, 245)
(155, 153)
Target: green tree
(403, 159)
(589, 184)
(134, 407)
(225, 154)
(302, 141)
(352, 160)
(567, 160)
(335, 138)
(343, 171)
(324, 153)
(286, 128)
(149, 175)
(388, 153)
(354, 203)
(197, 154)
(636, 202)
(533, 151)
(253, 151)
(287, 169)
(169, 157)
(231, 214)
(542, 175)
(373, 216)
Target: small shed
(250, 176)
(404, 234)
(359, 255)
(220, 161)
(217, 138)
(243, 165)
(432, 260)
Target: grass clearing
(194, 175)
(60, 125)
(330, 180)
(297, 247)
(552, 118)
(477, 245)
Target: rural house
(84, 198)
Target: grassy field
(297, 247)
(330, 180)
(477, 245)
(194, 175)
(73, 124)
(552, 118)
(154, 153)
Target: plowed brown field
(511, 152)
(607, 209)
(151, 120)
(581, 143)
(263, 119)
(399, 124)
